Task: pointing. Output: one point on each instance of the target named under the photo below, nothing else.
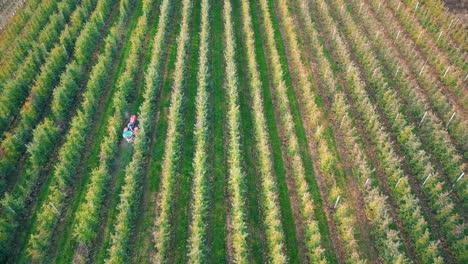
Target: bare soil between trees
(458, 7)
(8, 9)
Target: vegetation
(87, 216)
(69, 156)
(197, 251)
(272, 220)
(306, 131)
(238, 226)
(45, 137)
(14, 143)
(162, 223)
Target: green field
(269, 131)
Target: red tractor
(131, 129)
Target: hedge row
(269, 190)
(409, 209)
(172, 152)
(196, 240)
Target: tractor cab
(131, 129)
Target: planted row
(199, 205)
(44, 139)
(237, 227)
(419, 161)
(70, 155)
(327, 156)
(432, 185)
(38, 104)
(437, 19)
(16, 23)
(21, 45)
(69, 87)
(409, 208)
(443, 105)
(17, 89)
(269, 192)
(388, 239)
(33, 19)
(46, 39)
(130, 192)
(162, 223)
(377, 208)
(87, 216)
(450, 72)
(432, 131)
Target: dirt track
(459, 7)
(7, 10)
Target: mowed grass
(216, 232)
(142, 243)
(289, 227)
(252, 176)
(177, 252)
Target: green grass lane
(99, 252)
(216, 230)
(180, 218)
(256, 238)
(141, 245)
(159, 138)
